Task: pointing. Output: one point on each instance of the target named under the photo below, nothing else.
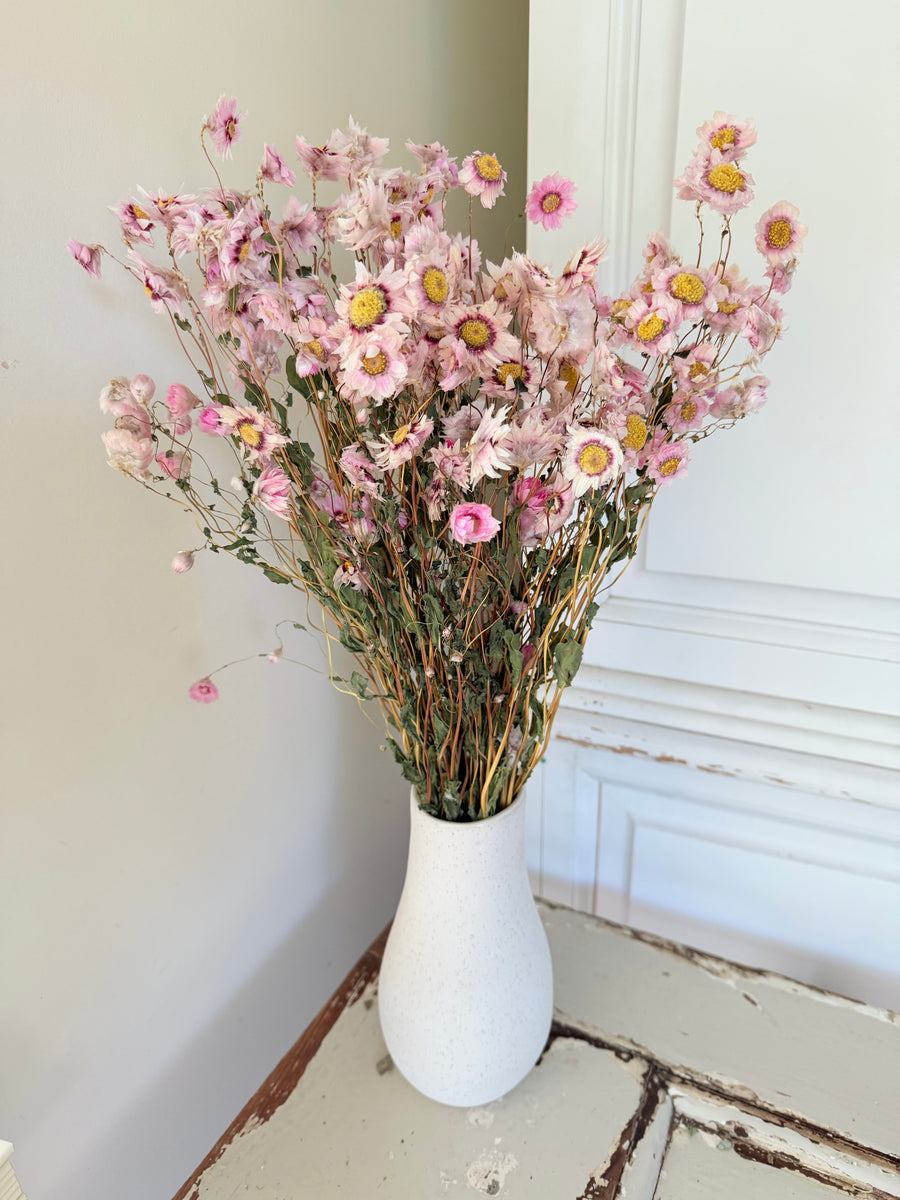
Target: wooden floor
(669, 1075)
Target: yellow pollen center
(636, 432)
(401, 435)
(727, 306)
(687, 411)
(723, 137)
(139, 213)
(620, 307)
(475, 333)
(509, 370)
(687, 287)
(396, 227)
(250, 434)
(315, 349)
(698, 370)
(149, 290)
(375, 364)
(366, 307)
(569, 375)
(488, 167)
(726, 178)
(651, 327)
(669, 466)
(593, 459)
(779, 233)
(551, 202)
(244, 251)
(434, 285)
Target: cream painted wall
(182, 886)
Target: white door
(726, 770)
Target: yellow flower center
(244, 251)
(401, 435)
(725, 178)
(569, 375)
(250, 434)
(723, 137)
(688, 411)
(699, 369)
(620, 307)
(396, 227)
(509, 370)
(551, 202)
(434, 285)
(231, 127)
(139, 213)
(636, 432)
(727, 306)
(593, 459)
(488, 167)
(375, 364)
(651, 327)
(366, 307)
(475, 332)
(165, 202)
(315, 349)
(779, 233)
(669, 466)
(687, 287)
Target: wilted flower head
(88, 256)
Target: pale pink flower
(115, 395)
(256, 432)
(725, 133)
(142, 388)
(582, 266)
(183, 561)
(392, 450)
(374, 364)
(128, 453)
(481, 175)
(748, 397)
(550, 200)
(488, 448)
(180, 400)
(224, 125)
(592, 459)
(297, 229)
(361, 149)
(273, 490)
(658, 254)
(136, 222)
(450, 464)
(167, 289)
(361, 471)
(722, 184)
(435, 497)
(204, 691)
(780, 234)
(733, 305)
(653, 322)
(274, 169)
(782, 277)
(533, 439)
(321, 162)
(473, 523)
(514, 377)
(687, 411)
(666, 459)
(174, 463)
(349, 574)
(478, 343)
(694, 372)
(546, 505)
(695, 291)
(563, 326)
(87, 256)
(370, 302)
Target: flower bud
(142, 388)
(183, 561)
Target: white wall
(726, 769)
(182, 886)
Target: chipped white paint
(9, 1185)
(466, 991)
(834, 1062)
(719, 1081)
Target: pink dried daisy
(725, 133)
(275, 169)
(272, 489)
(137, 224)
(204, 691)
(780, 234)
(224, 125)
(667, 459)
(87, 256)
(482, 176)
(405, 443)
(473, 523)
(592, 459)
(375, 367)
(696, 291)
(686, 412)
(653, 322)
(717, 181)
(550, 201)
(257, 433)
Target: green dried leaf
(566, 660)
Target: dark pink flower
(180, 400)
(473, 523)
(204, 691)
(88, 256)
(224, 125)
(274, 168)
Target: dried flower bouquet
(452, 457)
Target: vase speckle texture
(465, 993)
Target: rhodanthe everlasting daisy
(394, 449)
(592, 459)
(473, 523)
(667, 459)
(687, 411)
(550, 201)
(718, 181)
(224, 125)
(482, 176)
(272, 489)
(274, 168)
(653, 322)
(374, 366)
(695, 291)
(204, 691)
(257, 433)
(780, 234)
(359, 469)
(88, 256)
(478, 342)
(128, 452)
(725, 133)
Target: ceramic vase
(465, 993)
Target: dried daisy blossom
(453, 460)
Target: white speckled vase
(465, 993)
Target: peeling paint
(488, 1174)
